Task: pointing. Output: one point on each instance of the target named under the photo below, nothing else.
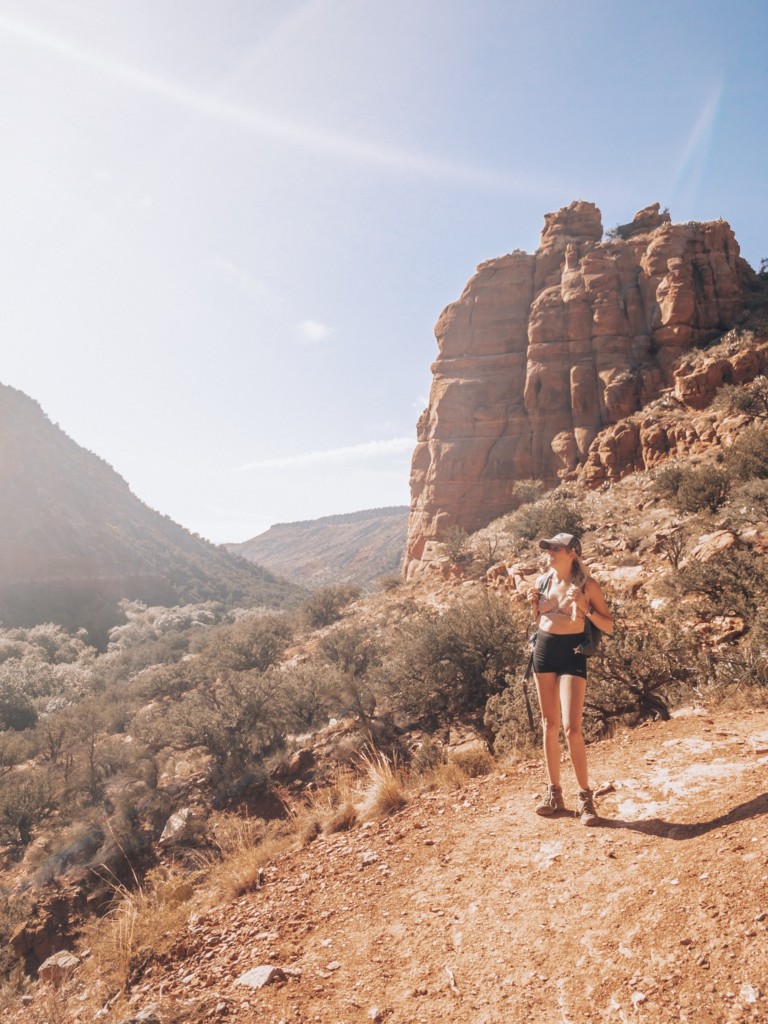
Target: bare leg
(572, 690)
(547, 689)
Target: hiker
(564, 597)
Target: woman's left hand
(578, 598)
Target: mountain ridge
(357, 548)
(75, 540)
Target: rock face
(541, 352)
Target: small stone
(749, 993)
(334, 965)
(369, 857)
(58, 967)
(258, 977)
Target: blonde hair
(579, 571)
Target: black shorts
(554, 652)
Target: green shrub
(390, 582)
(304, 695)
(702, 489)
(733, 582)
(749, 501)
(252, 643)
(667, 479)
(555, 513)
(525, 492)
(350, 648)
(751, 399)
(24, 803)
(445, 665)
(747, 458)
(652, 661)
(326, 605)
(455, 545)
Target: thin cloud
(313, 331)
(292, 133)
(699, 141)
(354, 453)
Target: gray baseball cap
(562, 540)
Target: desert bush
(474, 762)
(350, 695)
(455, 545)
(702, 489)
(390, 582)
(525, 492)
(14, 748)
(652, 660)
(751, 398)
(252, 643)
(749, 501)
(666, 480)
(556, 512)
(672, 546)
(24, 803)
(733, 582)
(351, 648)
(16, 711)
(446, 664)
(512, 717)
(747, 457)
(303, 696)
(326, 605)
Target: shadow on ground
(678, 830)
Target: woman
(563, 598)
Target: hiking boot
(552, 802)
(586, 808)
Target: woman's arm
(597, 611)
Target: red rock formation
(541, 352)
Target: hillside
(358, 548)
(467, 906)
(75, 540)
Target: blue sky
(228, 226)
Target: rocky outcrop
(650, 437)
(541, 352)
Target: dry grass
(385, 792)
(246, 846)
(139, 925)
(474, 761)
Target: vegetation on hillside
(205, 708)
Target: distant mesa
(74, 540)
(543, 352)
(358, 548)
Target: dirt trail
(470, 907)
(467, 906)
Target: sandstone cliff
(542, 352)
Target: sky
(228, 227)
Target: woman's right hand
(533, 599)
